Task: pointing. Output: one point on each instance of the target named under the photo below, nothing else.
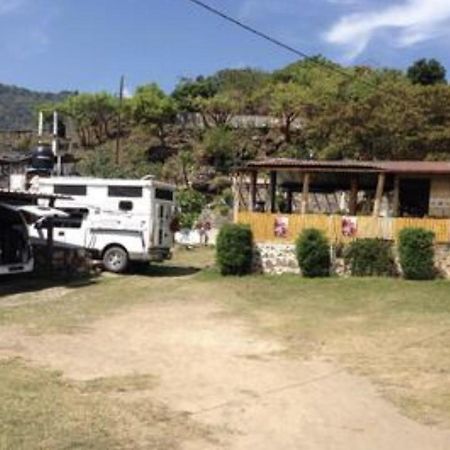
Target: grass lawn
(395, 332)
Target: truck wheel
(115, 259)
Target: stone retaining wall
(277, 259)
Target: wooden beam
(379, 194)
(305, 193)
(353, 196)
(252, 191)
(396, 199)
(273, 192)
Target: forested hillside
(18, 106)
(310, 109)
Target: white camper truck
(117, 221)
(15, 249)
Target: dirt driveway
(224, 375)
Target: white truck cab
(117, 221)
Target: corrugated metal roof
(416, 167)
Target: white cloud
(9, 6)
(410, 22)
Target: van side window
(75, 219)
(125, 205)
(67, 222)
(70, 189)
(124, 191)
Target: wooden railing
(279, 228)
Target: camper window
(124, 191)
(126, 205)
(164, 194)
(70, 189)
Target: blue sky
(87, 44)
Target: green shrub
(234, 250)
(370, 257)
(416, 249)
(191, 205)
(313, 253)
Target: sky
(87, 45)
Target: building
(279, 198)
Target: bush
(191, 205)
(370, 257)
(234, 250)
(313, 254)
(416, 249)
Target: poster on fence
(281, 227)
(349, 226)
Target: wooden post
(252, 191)
(305, 193)
(353, 196)
(273, 192)
(290, 200)
(379, 194)
(396, 199)
(236, 198)
(50, 245)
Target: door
(71, 230)
(414, 197)
(163, 235)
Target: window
(124, 191)
(126, 205)
(70, 189)
(69, 222)
(76, 213)
(164, 194)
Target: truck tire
(115, 259)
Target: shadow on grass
(162, 271)
(26, 283)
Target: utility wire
(276, 41)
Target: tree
(220, 149)
(383, 124)
(188, 91)
(427, 72)
(153, 108)
(93, 115)
(289, 102)
(219, 110)
(191, 205)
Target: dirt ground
(227, 377)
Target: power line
(275, 41)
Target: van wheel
(115, 259)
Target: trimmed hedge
(416, 250)
(313, 253)
(370, 257)
(234, 250)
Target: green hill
(18, 106)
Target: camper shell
(118, 221)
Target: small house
(278, 198)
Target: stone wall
(277, 259)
